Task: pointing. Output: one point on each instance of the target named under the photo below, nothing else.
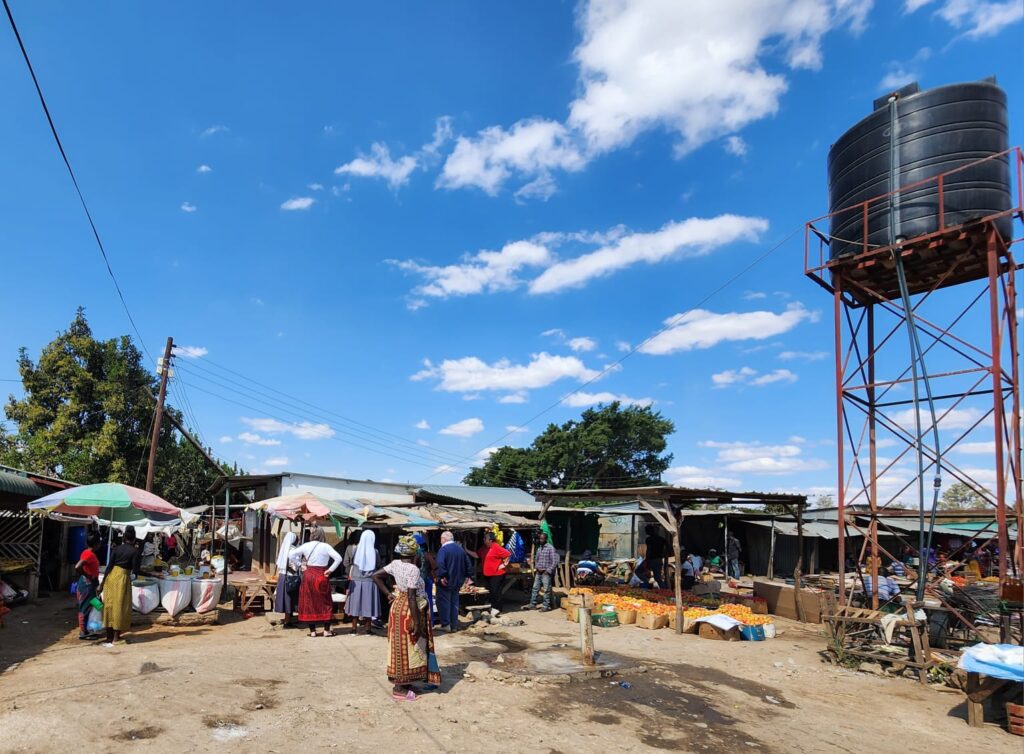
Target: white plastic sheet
(206, 594)
(175, 594)
(145, 595)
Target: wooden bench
(857, 630)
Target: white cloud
(699, 70)
(977, 18)
(515, 429)
(445, 468)
(188, 207)
(216, 129)
(486, 271)
(754, 295)
(953, 419)
(554, 332)
(276, 462)
(692, 237)
(703, 329)
(803, 355)
(542, 187)
(190, 352)
(530, 148)
(315, 186)
(379, 164)
(251, 438)
(623, 346)
(464, 428)
(481, 458)
(472, 374)
(298, 203)
(422, 424)
(699, 478)
(757, 458)
(735, 145)
(582, 345)
(903, 72)
(204, 169)
(225, 439)
(748, 376)
(976, 448)
(592, 399)
(302, 430)
(513, 398)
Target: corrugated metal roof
(811, 529)
(16, 484)
(509, 499)
(954, 529)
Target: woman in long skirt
(286, 593)
(315, 602)
(116, 587)
(88, 570)
(363, 603)
(411, 657)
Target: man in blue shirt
(453, 569)
(887, 588)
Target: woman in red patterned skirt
(315, 602)
(411, 656)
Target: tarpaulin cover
(175, 594)
(206, 594)
(145, 595)
(1004, 661)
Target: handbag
(292, 581)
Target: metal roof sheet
(811, 529)
(509, 499)
(16, 484)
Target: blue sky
(430, 227)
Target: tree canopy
(608, 446)
(959, 496)
(86, 416)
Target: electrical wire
(74, 179)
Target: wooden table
(250, 587)
(980, 688)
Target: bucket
(769, 630)
(752, 633)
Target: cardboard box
(707, 631)
(650, 620)
(626, 617)
(780, 599)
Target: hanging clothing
(517, 548)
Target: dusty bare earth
(249, 686)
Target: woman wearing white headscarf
(363, 601)
(286, 594)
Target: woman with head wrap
(286, 594)
(411, 656)
(363, 603)
(315, 602)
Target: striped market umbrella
(308, 507)
(106, 499)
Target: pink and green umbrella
(104, 499)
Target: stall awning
(509, 499)
(811, 529)
(15, 484)
(968, 529)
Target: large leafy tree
(959, 496)
(86, 416)
(608, 446)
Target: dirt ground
(249, 686)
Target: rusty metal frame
(990, 366)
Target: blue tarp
(1004, 661)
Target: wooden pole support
(586, 635)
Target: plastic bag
(94, 623)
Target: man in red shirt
(494, 562)
(88, 570)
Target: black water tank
(938, 130)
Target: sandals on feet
(408, 696)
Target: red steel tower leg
(840, 463)
(996, 317)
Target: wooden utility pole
(164, 367)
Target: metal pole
(165, 368)
(873, 458)
(771, 552)
(227, 502)
(840, 461)
(995, 315)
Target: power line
(670, 323)
(74, 180)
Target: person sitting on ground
(88, 570)
(588, 572)
(714, 561)
(316, 605)
(641, 575)
(116, 587)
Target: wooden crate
(626, 617)
(1015, 718)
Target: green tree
(608, 446)
(959, 496)
(86, 416)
